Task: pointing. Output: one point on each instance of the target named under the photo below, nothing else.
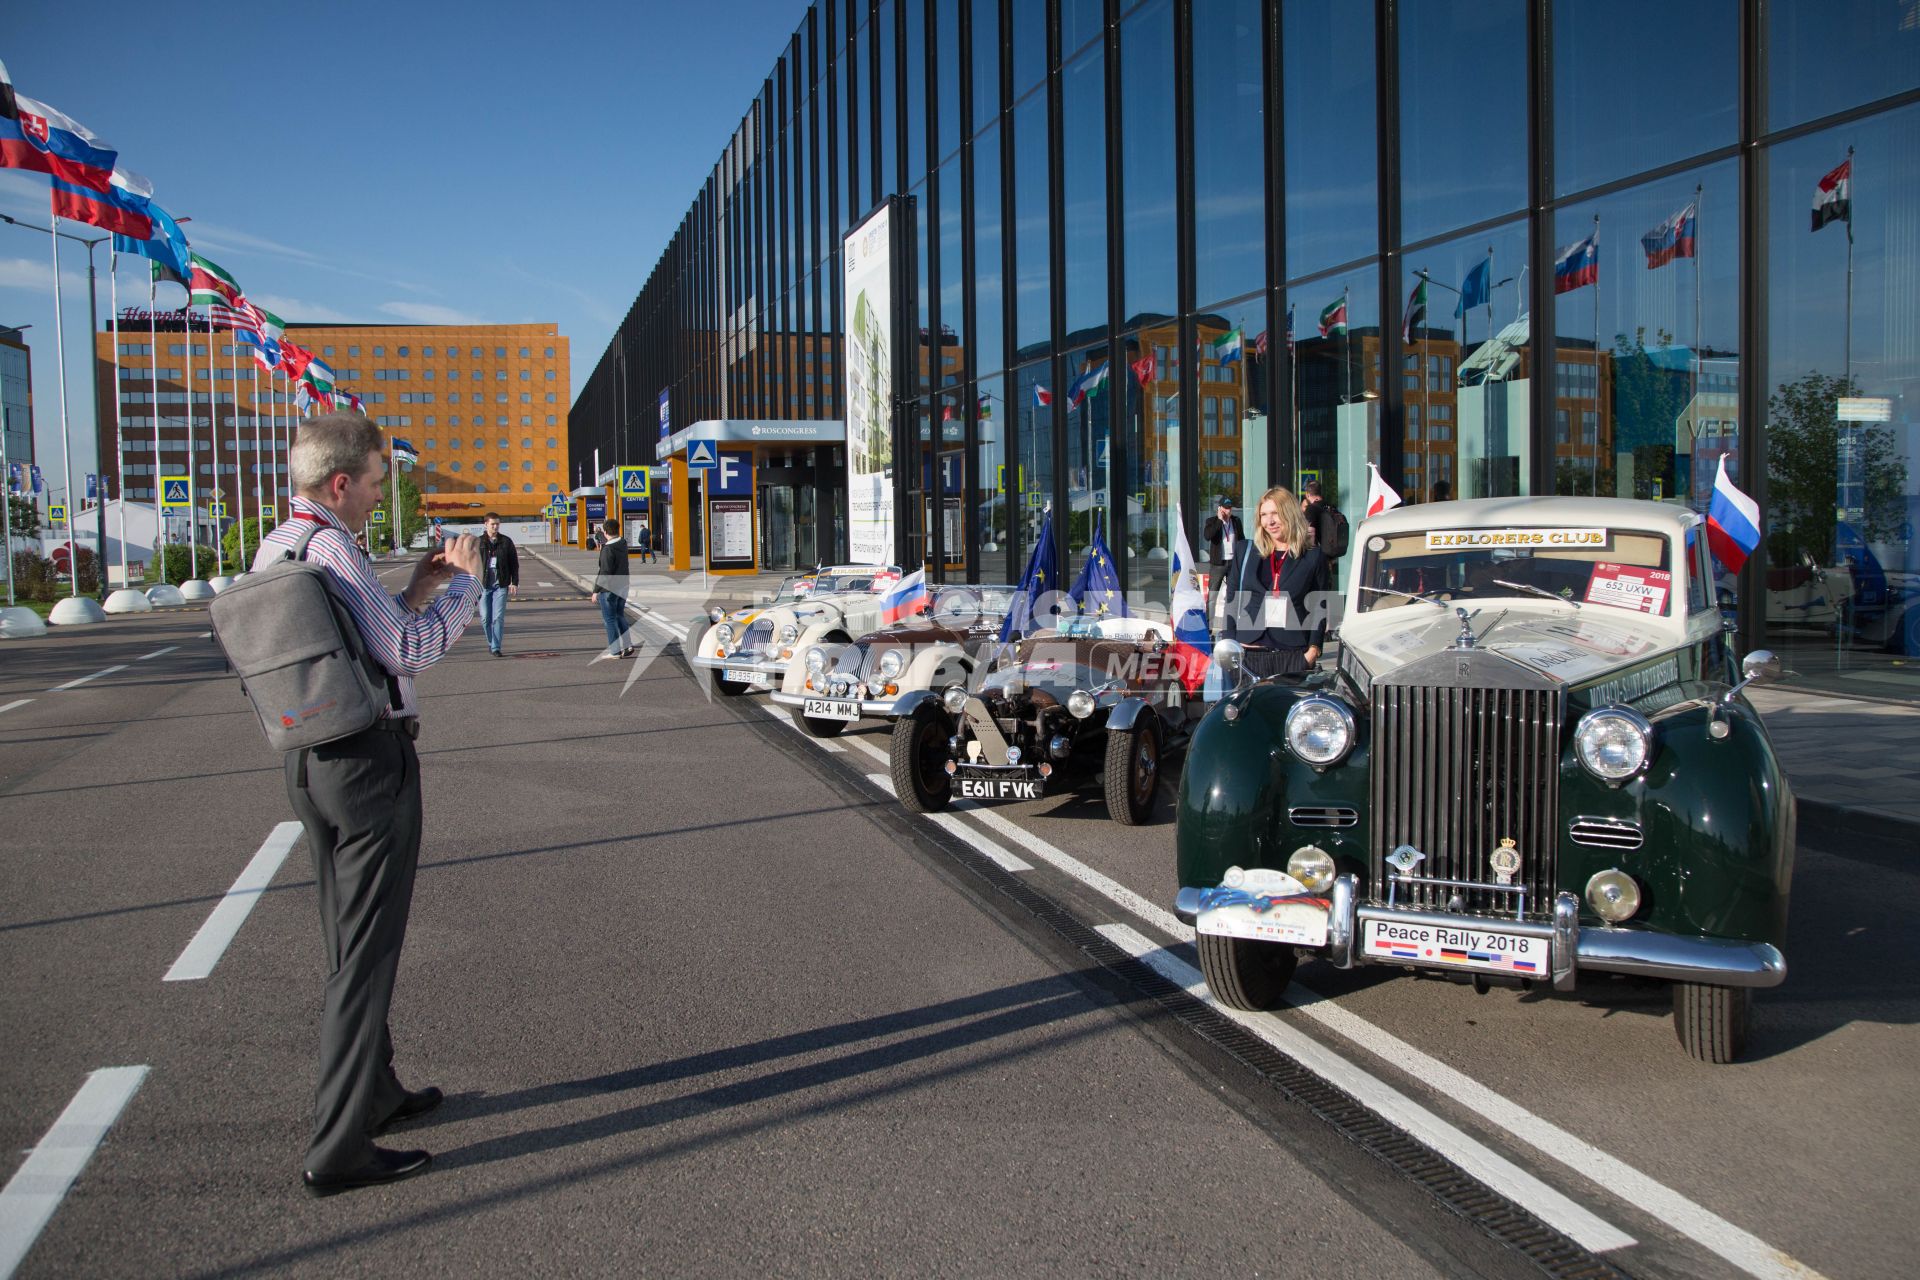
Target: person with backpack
(1275, 591)
(358, 797)
(1326, 522)
(610, 587)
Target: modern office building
(483, 405)
(16, 397)
(1180, 247)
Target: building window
(549, 353)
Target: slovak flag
(905, 598)
(1192, 640)
(1672, 239)
(1041, 396)
(1380, 494)
(37, 137)
(1577, 265)
(1733, 521)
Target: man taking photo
(500, 581)
(359, 799)
(1224, 534)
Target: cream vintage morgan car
(749, 650)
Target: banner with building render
(868, 361)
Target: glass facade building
(1168, 249)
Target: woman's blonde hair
(1292, 522)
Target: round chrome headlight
(1080, 704)
(954, 699)
(1311, 866)
(1320, 730)
(724, 633)
(1613, 743)
(892, 663)
(790, 633)
(1614, 895)
(716, 613)
(816, 660)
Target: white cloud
(428, 313)
(25, 273)
(294, 311)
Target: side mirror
(1230, 656)
(1762, 666)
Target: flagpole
(60, 362)
(1699, 199)
(119, 422)
(213, 445)
(239, 483)
(259, 507)
(153, 390)
(1849, 328)
(193, 455)
(1346, 346)
(1596, 356)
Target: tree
(23, 517)
(230, 541)
(413, 519)
(1804, 449)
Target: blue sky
(401, 163)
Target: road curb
(1825, 825)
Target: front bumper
(763, 666)
(870, 708)
(1718, 962)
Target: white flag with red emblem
(1380, 494)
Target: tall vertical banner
(868, 361)
(666, 413)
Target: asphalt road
(705, 1000)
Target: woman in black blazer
(1277, 584)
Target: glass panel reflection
(1150, 430)
(989, 324)
(1087, 403)
(1032, 328)
(1331, 146)
(986, 62)
(1336, 328)
(990, 497)
(1462, 63)
(1825, 56)
(1031, 484)
(1146, 162)
(1229, 173)
(1083, 108)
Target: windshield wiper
(1425, 597)
(1530, 589)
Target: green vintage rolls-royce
(1531, 760)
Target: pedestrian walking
(610, 583)
(643, 542)
(1224, 535)
(500, 581)
(359, 800)
(1278, 583)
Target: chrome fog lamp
(954, 699)
(1080, 704)
(1320, 730)
(1013, 755)
(1059, 746)
(1614, 743)
(816, 660)
(724, 633)
(1311, 866)
(892, 663)
(1614, 895)
(790, 633)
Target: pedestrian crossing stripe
(175, 492)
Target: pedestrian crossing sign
(378, 517)
(57, 512)
(217, 510)
(175, 492)
(633, 482)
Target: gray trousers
(359, 800)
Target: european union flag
(1097, 591)
(1477, 289)
(1039, 581)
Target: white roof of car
(1496, 513)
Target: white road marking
(74, 684)
(780, 716)
(1006, 860)
(17, 702)
(871, 750)
(228, 914)
(1551, 1206)
(664, 621)
(206, 635)
(1152, 913)
(157, 653)
(31, 1196)
(546, 584)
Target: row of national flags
(90, 185)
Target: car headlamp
(716, 613)
(892, 663)
(1080, 704)
(816, 660)
(1312, 866)
(790, 633)
(1614, 743)
(1320, 730)
(954, 699)
(1614, 895)
(724, 633)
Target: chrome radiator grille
(1454, 771)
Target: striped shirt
(404, 642)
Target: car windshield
(963, 606)
(1617, 568)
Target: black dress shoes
(416, 1103)
(385, 1166)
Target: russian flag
(1733, 521)
(1577, 265)
(906, 598)
(1192, 640)
(1672, 239)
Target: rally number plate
(998, 788)
(754, 679)
(1299, 921)
(1489, 950)
(830, 709)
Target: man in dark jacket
(499, 581)
(1224, 534)
(610, 582)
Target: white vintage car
(832, 685)
(1533, 762)
(749, 649)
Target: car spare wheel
(918, 755)
(1243, 974)
(1133, 771)
(1711, 1021)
